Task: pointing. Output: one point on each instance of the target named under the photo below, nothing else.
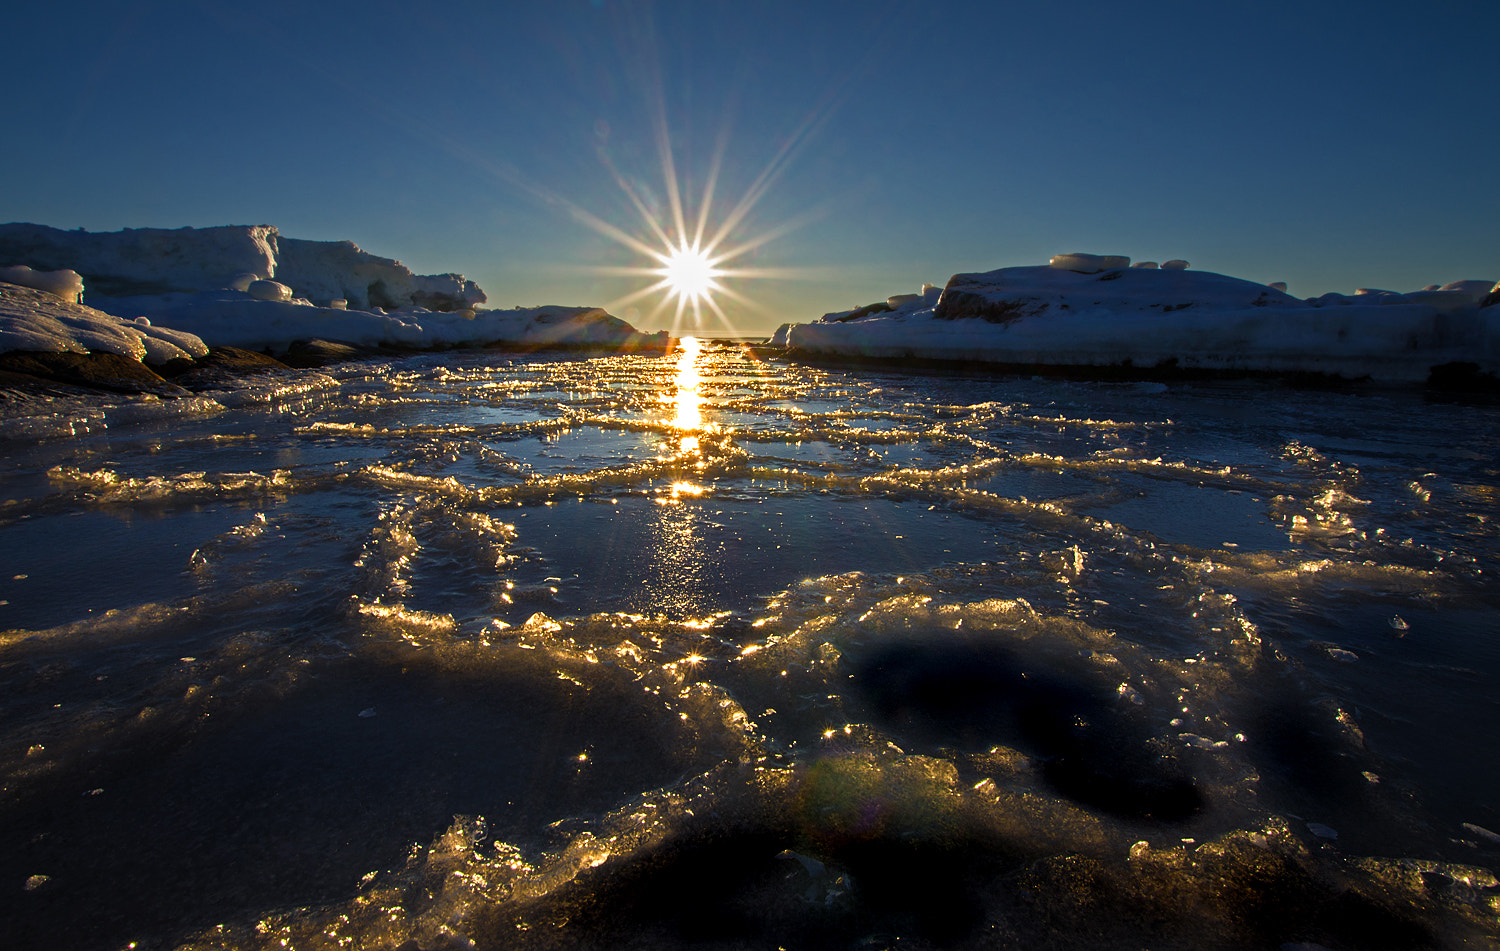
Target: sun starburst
(689, 273)
(695, 248)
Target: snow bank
(65, 285)
(247, 286)
(1070, 314)
(40, 322)
(152, 261)
(238, 319)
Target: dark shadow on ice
(971, 696)
(280, 801)
(748, 886)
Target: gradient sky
(1332, 145)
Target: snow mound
(1012, 293)
(40, 322)
(268, 290)
(1076, 313)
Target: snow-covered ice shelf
(1097, 311)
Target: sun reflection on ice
(681, 562)
(686, 398)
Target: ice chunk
(1476, 290)
(1149, 265)
(66, 285)
(1089, 263)
(1278, 286)
(338, 303)
(1176, 264)
(34, 320)
(1450, 298)
(1481, 831)
(241, 282)
(269, 290)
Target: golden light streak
(687, 398)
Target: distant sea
(701, 650)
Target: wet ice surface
(705, 651)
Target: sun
(695, 251)
(688, 273)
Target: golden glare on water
(687, 398)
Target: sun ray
(640, 204)
(634, 296)
(721, 148)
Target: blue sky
(1332, 145)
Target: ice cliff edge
(155, 261)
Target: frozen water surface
(703, 651)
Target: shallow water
(700, 650)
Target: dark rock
(879, 307)
(235, 360)
(96, 371)
(221, 368)
(311, 354)
(960, 305)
